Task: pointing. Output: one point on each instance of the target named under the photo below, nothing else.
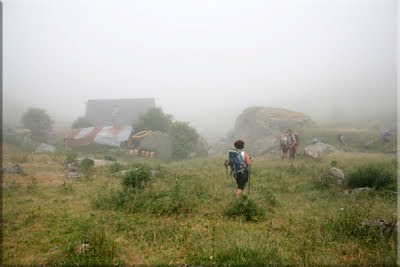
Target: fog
(202, 61)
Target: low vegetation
(373, 175)
(185, 212)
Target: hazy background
(203, 61)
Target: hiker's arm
(247, 159)
(226, 163)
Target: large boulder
(261, 129)
(334, 176)
(257, 122)
(318, 150)
(158, 142)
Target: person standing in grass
(239, 162)
(291, 144)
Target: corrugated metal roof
(102, 135)
(113, 136)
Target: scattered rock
(82, 248)
(154, 173)
(72, 171)
(384, 227)
(315, 140)
(332, 176)
(14, 169)
(73, 174)
(45, 148)
(99, 162)
(356, 190)
(318, 150)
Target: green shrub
(154, 119)
(270, 198)
(136, 178)
(371, 175)
(39, 122)
(115, 167)
(184, 140)
(173, 202)
(86, 164)
(70, 157)
(346, 225)
(81, 122)
(100, 250)
(108, 157)
(246, 208)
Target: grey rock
(382, 226)
(82, 249)
(73, 174)
(99, 162)
(45, 148)
(356, 190)
(14, 169)
(333, 176)
(154, 173)
(318, 150)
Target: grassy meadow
(181, 216)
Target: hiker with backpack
(284, 145)
(291, 144)
(385, 135)
(239, 162)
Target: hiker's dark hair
(239, 144)
(289, 130)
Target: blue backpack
(237, 163)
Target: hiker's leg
(386, 145)
(241, 181)
(239, 193)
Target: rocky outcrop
(261, 128)
(318, 150)
(258, 122)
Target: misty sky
(203, 61)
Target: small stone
(83, 248)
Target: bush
(115, 167)
(39, 122)
(172, 202)
(86, 164)
(108, 157)
(371, 175)
(347, 226)
(70, 157)
(81, 122)
(136, 178)
(246, 208)
(154, 119)
(184, 139)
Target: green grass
(363, 140)
(180, 216)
